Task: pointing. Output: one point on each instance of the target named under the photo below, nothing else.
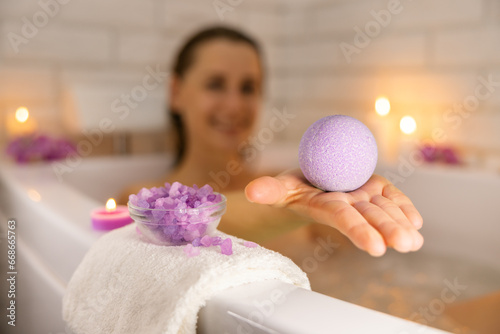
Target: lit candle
(408, 126)
(20, 123)
(110, 217)
(382, 125)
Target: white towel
(125, 285)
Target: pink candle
(110, 217)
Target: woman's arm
(373, 217)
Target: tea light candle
(110, 217)
(20, 123)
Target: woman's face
(219, 95)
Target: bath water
(417, 286)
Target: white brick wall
(408, 88)
(57, 42)
(431, 14)
(100, 42)
(144, 48)
(468, 47)
(119, 13)
(388, 50)
(25, 83)
(188, 15)
(342, 16)
(425, 60)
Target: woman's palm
(373, 217)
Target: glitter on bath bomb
(338, 153)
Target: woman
(215, 93)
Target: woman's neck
(224, 171)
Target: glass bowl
(177, 226)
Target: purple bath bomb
(338, 153)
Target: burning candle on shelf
(408, 126)
(110, 217)
(382, 106)
(20, 123)
(382, 125)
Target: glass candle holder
(174, 227)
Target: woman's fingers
(265, 190)
(276, 191)
(395, 212)
(398, 235)
(352, 224)
(374, 217)
(395, 195)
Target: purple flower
(429, 153)
(449, 156)
(39, 147)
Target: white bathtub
(461, 212)
(53, 226)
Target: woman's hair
(185, 59)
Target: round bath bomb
(338, 153)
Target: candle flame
(111, 205)
(382, 106)
(22, 114)
(408, 125)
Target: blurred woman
(215, 96)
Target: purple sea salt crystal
(196, 242)
(175, 189)
(192, 190)
(158, 215)
(206, 241)
(178, 214)
(226, 247)
(191, 251)
(205, 191)
(250, 244)
(171, 229)
(146, 195)
(159, 192)
(218, 198)
(165, 203)
(192, 231)
(216, 241)
(138, 201)
(192, 200)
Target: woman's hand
(373, 217)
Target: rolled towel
(126, 285)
